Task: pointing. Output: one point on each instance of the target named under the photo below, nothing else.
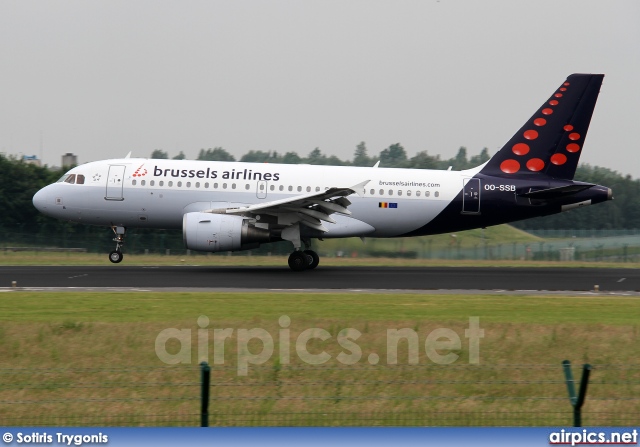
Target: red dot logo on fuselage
(140, 172)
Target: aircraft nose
(40, 200)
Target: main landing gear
(304, 260)
(116, 255)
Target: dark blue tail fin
(552, 139)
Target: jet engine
(221, 232)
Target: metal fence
(558, 245)
(277, 395)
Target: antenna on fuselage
(128, 155)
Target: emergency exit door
(115, 182)
(471, 196)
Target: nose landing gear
(116, 256)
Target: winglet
(359, 188)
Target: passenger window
(152, 183)
(224, 186)
(427, 193)
(317, 189)
(299, 188)
(417, 193)
(272, 187)
(390, 192)
(197, 184)
(215, 186)
(399, 193)
(437, 194)
(382, 192)
(170, 184)
(134, 182)
(142, 182)
(372, 192)
(409, 193)
(233, 186)
(80, 179)
(179, 184)
(188, 184)
(161, 183)
(290, 188)
(247, 187)
(206, 185)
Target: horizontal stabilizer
(554, 193)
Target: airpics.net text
(441, 346)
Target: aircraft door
(261, 190)
(471, 196)
(115, 182)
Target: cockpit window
(72, 179)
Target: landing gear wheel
(116, 256)
(313, 259)
(298, 261)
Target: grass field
(90, 358)
(45, 258)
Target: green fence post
(576, 400)
(205, 374)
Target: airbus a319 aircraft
(230, 206)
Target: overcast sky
(102, 78)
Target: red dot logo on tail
(510, 166)
(539, 122)
(520, 149)
(558, 159)
(573, 147)
(535, 165)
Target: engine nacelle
(220, 232)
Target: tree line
(395, 156)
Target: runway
(322, 279)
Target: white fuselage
(149, 193)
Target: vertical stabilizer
(551, 141)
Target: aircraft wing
(307, 209)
